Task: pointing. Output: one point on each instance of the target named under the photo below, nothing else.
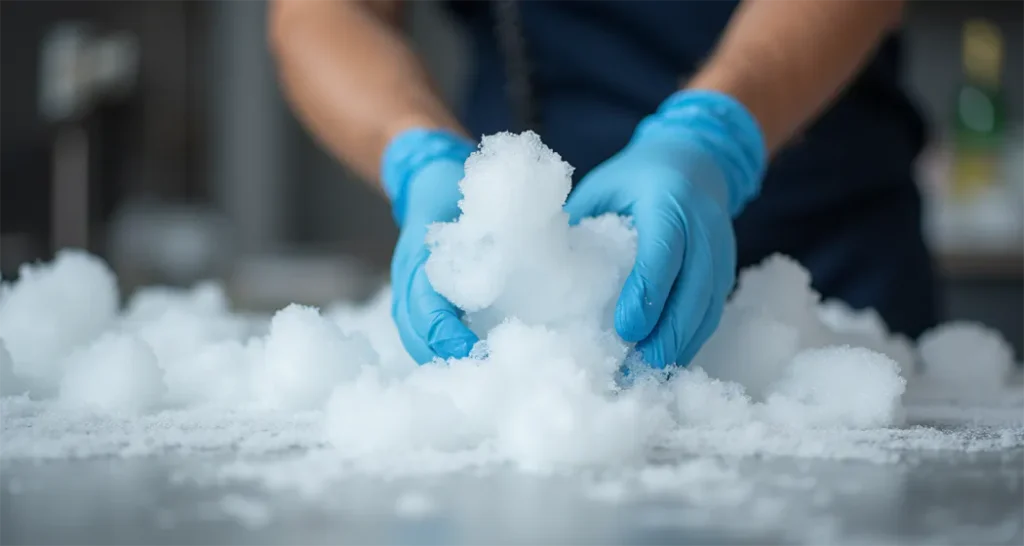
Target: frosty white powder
(52, 310)
(117, 372)
(10, 384)
(306, 355)
(843, 387)
(180, 371)
(966, 355)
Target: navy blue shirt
(840, 197)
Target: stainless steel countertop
(927, 498)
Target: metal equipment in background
(79, 70)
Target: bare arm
(785, 60)
(351, 78)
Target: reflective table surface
(938, 498)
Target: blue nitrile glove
(421, 170)
(689, 168)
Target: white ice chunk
(701, 400)
(373, 320)
(966, 355)
(772, 316)
(512, 252)
(219, 374)
(205, 298)
(750, 347)
(54, 308)
(306, 356)
(513, 193)
(781, 287)
(560, 407)
(118, 373)
(865, 328)
(10, 384)
(371, 418)
(179, 324)
(840, 387)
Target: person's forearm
(352, 79)
(785, 60)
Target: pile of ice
(543, 389)
(966, 356)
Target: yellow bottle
(979, 124)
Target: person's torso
(596, 68)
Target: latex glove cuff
(723, 126)
(409, 152)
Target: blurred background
(155, 135)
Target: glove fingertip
(625, 324)
(454, 348)
(633, 313)
(453, 340)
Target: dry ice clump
(542, 391)
(966, 355)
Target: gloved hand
(688, 169)
(421, 170)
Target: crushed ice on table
(52, 310)
(311, 396)
(966, 355)
(117, 372)
(10, 384)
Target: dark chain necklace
(512, 43)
